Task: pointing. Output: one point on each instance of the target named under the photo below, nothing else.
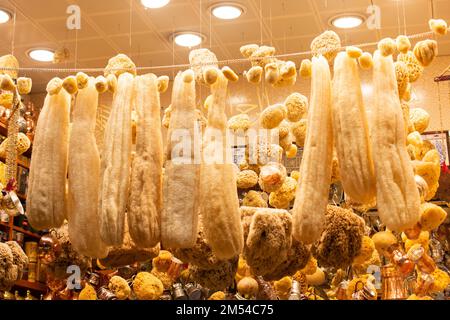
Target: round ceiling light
(5, 16)
(227, 11)
(154, 4)
(347, 21)
(188, 39)
(42, 55)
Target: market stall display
(157, 208)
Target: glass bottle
(398, 257)
(423, 261)
(424, 284)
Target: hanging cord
(13, 40)
(404, 17)
(260, 22)
(131, 23)
(427, 34)
(76, 48)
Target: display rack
(9, 227)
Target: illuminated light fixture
(188, 39)
(42, 55)
(227, 10)
(347, 21)
(5, 16)
(154, 4)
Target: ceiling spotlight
(227, 11)
(347, 21)
(188, 39)
(5, 16)
(154, 4)
(42, 55)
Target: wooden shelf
(26, 232)
(36, 286)
(21, 230)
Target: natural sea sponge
(431, 216)
(383, 240)
(414, 67)
(367, 248)
(354, 52)
(269, 240)
(120, 64)
(366, 60)
(11, 62)
(292, 151)
(425, 51)
(387, 46)
(403, 44)
(341, 239)
(8, 271)
(254, 75)
(272, 177)
(20, 259)
(119, 286)
(438, 26)
(246, 179)
(327, 44)
(147, 287)
(248, 50)
(283, 287)
(201, 255)
(215, 279)
(298, 129)
(296, 106)
(281, 198)
(272, 116)
(306, 68)
(423, 239)
(24, 85)
(297, 258)
(239, 122)
(254, 199)
(70, 84)
(402, 75)
(420, 119)
(88, 293)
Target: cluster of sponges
(13, 261)
(117, 65)
(278, 73)
(425, 158)
(289, 118)
(341, 239)
(7, 77)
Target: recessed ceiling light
(5, 16)
(347, 21)
(41, 55)
(227, 10)
(154, 4)
(188, 39)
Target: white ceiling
(289, 25)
